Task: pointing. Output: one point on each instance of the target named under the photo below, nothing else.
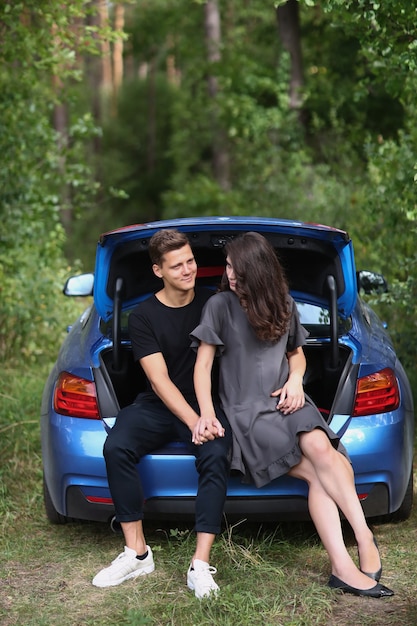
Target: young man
(159, 329)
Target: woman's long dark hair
(261, 285)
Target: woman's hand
(291, 395)
(207, 429)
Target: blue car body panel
(380, 446)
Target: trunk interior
(322, 382)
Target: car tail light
(75, 396)
(98, 500)
(377, 393)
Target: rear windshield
(316, 320)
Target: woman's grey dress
(265, 441)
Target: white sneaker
(200, 579)
(124, 567)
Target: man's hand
(206, 429)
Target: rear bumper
(259, 509)
(76, 477)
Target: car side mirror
(79, 286)
(371, 282)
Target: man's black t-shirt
(155, 327)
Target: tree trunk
(106, 79)
(220, 155)
(289, 33)
(60, 121)
(119, 22)
(94, 71)
(151, 127)
(60, 117)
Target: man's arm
(156, 371)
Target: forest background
(123, 112)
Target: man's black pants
(145, 426)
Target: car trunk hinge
(334, 353)
(117, 324)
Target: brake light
(377, 393)
(75, 396)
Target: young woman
(253, 326)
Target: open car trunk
(328, 386)
(319, 265)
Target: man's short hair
(163, 241)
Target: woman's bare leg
(335, 474)
(325, 515)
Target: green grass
(268, 574)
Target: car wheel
(51, 513)
(404, 510)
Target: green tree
(386, 193)
(38, 62)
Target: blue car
(353, 375)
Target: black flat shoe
(378, 591)
(374, 575)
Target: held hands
(206, 429)
(291, 395)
